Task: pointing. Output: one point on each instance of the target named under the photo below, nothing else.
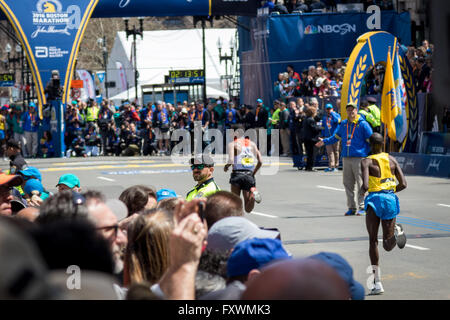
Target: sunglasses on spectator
(197, 166)
(109, 228)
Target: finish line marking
(330, 188)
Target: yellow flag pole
(385, 128)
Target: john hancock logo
(50, 18)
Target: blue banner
(140, 8)
(424, 165)
(317, 37)
(50, 31)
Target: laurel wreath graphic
(412, 99)
(357, 78)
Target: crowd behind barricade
(306, 6)
(131, 129)
(148, 244)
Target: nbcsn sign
(327, 28)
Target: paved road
(308, 208)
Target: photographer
(104, 118)
(133, 142)
(149, 142)
(93, 141)
(53, 89)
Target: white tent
(129, 94)
(161, 51)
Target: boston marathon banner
(139, 8)
(51, 32)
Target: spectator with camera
(93, 141)
(104, 118)
(133, 141)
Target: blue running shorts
(384, 203)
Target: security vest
(386, 181)
(375, 111)
(369, 118)
(205, 189)
(92, 113)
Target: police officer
(202, 173)
(371, 113)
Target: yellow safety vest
(386, 181)
(205, 189)
(92, 113)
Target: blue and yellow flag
(401, 120)
(394, 101)
(389, 105)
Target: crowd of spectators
(149, 244)
(306, 6)
(93, 129)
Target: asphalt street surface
(308, 208)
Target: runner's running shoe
(328, 170)
(400, 236)
(257, 196)
(360, 212)
(350, 212)
(377, 289)
(335, 170)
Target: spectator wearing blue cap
(330, 122)
(31, 173)
(251, 255)
(165, 194)
(34, 192)
(338, 263)
(30, 126)
(69, 182)
(245, 262)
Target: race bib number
(247, 162)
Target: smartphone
(201, 210)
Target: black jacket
(311, 130)
(263, 116)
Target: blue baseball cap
(253, 254)
(31, 172)
(33, 185)
(259, 101)
(164, 194)
(69, 180)
(32, 104)
(342, 267)
(328, 106)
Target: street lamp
(102, 43)
(226, 58)
(135, 32)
